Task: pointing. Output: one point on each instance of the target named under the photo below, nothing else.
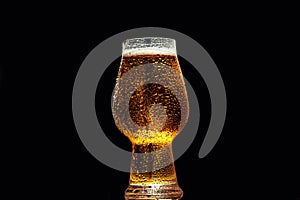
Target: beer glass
(150, 107)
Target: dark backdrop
(41, 52)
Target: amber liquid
(152, 136)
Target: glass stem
(152, 173)
(152, 164)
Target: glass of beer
(150, 107)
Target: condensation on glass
(150, 107)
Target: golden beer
(150, 107)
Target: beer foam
(149, 45)
(149, 51)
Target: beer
(146, 96)
(150, 107)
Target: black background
(41, 52)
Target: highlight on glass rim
(150, 107)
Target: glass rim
(149, 37)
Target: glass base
(153, 192)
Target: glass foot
(153, 192)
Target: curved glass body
(150, 107)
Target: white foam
(149, 51)
(149, 45)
